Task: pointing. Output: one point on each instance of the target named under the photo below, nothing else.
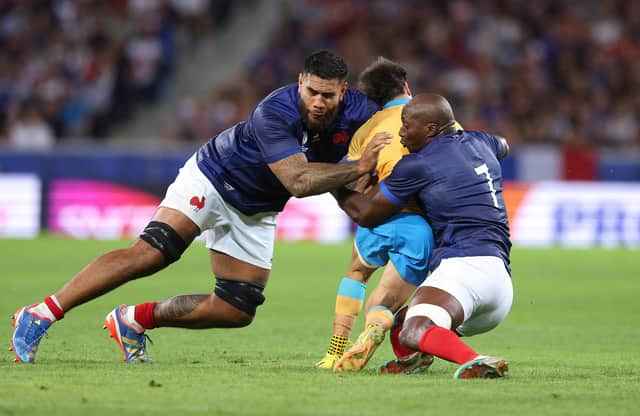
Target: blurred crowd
(561, 72)
(76, 68)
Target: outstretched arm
(367, 210)
(303, 178)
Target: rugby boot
(327, 362)
(483, 367)
(359, 354)
(132, 344)
(29, 328)
(416, 363)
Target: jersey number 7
(484, 170)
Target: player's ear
(343, 89)
(300, 80)
(407, 90)
(431, 129)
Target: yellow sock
(337, 345)
(380, 315)
(349, 301)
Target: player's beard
(320, 126)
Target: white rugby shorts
(483, 287)
(247, 238)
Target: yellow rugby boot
(359, 354)
(327, 361)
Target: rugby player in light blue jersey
(456, 178)
(232, 188)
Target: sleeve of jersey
(274, 137)
(361, 107)
(405, 181)
(496, 145)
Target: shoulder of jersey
(357, 103)
(282, 102)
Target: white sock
(42, 310)
(55, 300)
(129, 316)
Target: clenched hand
(369, 159)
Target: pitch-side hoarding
(569, 214)
(20, 205)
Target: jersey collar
(397, 101)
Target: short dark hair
(382, 80)
(325, 65)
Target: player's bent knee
(244, 296)
(409, 338)
(413, 329)
(437, 314)
(164, 238)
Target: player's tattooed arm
(174, 309)
(303, 178)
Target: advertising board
(20, 201)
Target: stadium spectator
(232, 187)
(456, 178)
(507, 66)
(30, 131)
(88, 62)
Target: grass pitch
(572, 339)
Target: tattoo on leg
(178, 306)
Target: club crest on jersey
(197, 202)
(340, 137)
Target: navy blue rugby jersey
(235, 161)
(457, 180)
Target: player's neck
(401, 97)
(398, 100)
(448, 128)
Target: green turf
(572, 339)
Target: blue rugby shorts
(406, 239)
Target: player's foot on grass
(29, 328)
(356, 358)
(416, 363)
(132, 344)
(327, 362)
(484, 367)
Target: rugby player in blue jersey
(456, 178)
(232, 188)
